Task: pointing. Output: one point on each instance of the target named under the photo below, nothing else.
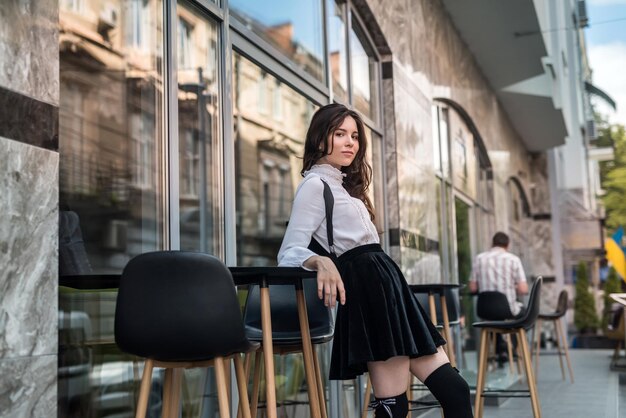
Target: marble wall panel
(540, 242)
(391, 164)
(29, 47)
(28, 387)
(28, 250)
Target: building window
(184, 44)
(294, 29)
(337, 49)
(364, 73)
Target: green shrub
(585, 316)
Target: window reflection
(364, 74)
(294, 27)
(337, 48)
(199, 145)
(109, 134)
(268, 160)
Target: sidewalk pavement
(595, 393)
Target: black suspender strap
(329, 202)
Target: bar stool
(514, 326)
(494, 306)
(180, 310)
(561, 341)
(286, 335)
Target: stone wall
(29, 100)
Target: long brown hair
(325, 122)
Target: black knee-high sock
(393, 407)
(451, 390)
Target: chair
(494, 306)
(180, 310)
(517, 327)
(286, 334)
(561, 341)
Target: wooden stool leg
(167, 393)
(222, 393)
(558, 348)
(246, 367)
(307, 354)
(366, 398)
(242, 386)
(509, 347)
(256, 382)
(321, 393)
(537, 332)
(532, 384)
(565, 348)
(446, 330)
(177, 380)
(144, 390)
(482, 371)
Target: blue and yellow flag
(615, 252)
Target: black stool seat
(525, 321)
(284, 311)
(561, 308)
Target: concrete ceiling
(505, 39)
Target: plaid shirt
(499, 270)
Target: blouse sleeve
(307, 214)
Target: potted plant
(585, 316)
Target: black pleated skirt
(381, 318)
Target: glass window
(337, 45)
(111, 189)
(110, 130)
(294, 27)
(364, 73)
(268, 163)
(199, 140)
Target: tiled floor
(596, 392)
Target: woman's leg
(445, 383)
(389, 380)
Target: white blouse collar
(328, 172)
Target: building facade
(139, 125)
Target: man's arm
(473, 286)
(521, 285)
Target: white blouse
(352, 226)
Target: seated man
(499, 270)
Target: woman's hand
(329, 283)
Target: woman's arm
(329, 283)
(307, 214)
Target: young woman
(380, 327)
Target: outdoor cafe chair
(518, 327)
(180, 310)
(561, 340)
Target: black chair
(517, 327)
(180, 310)
(561, 341)
(286, 334)
(493, 306)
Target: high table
(439, 289)
(264, 277)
